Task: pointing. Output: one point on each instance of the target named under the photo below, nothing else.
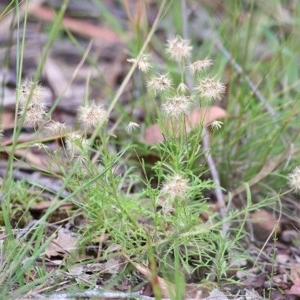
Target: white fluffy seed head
(294, 179)
(160, 83)
(1, 134)
(182, 88)
(200, 65)
(132, 126)
(176, 186)
(32, 105)
(179, 48)
(177, 106)
(76, 145)
(56, 128)
(31, 93)
(92, 116)
(211, 88)
(34, 114)
(142, 63)
(215, 124)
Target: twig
(209, 159)
(166, 288)
(205, 138)
(96, 293)
(215, 176)
(218, 192)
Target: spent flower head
(200, 65)
(216, 124)
(176, 186)
(31, 93)
(92, 115)
(32, 104)
(34, 114)
(142, 62)
(56, 128)
(160, 83)
(132, 126)
(40, 146)
(211, 88)
(177, 106)
(182, 88)
(294, 179)
(179, 48)
(76, 145)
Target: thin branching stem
(205, 137)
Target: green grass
(124, 194)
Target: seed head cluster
(178, 100)
(34, 111)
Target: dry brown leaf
(44, 205)
(198, 116)
(295, 273)
(7, 119)
(64, 243)
(217, 294)
(22, 138)
(204, 116)
(38, 161)
(57, 78)
(102, 238)
(101, 34)
(264, 223)
(288, 236)
(136, 13)
(196, 291)
(7, 19)
(111, 267)
(295, 289)
(153, 135)
(167, 289)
